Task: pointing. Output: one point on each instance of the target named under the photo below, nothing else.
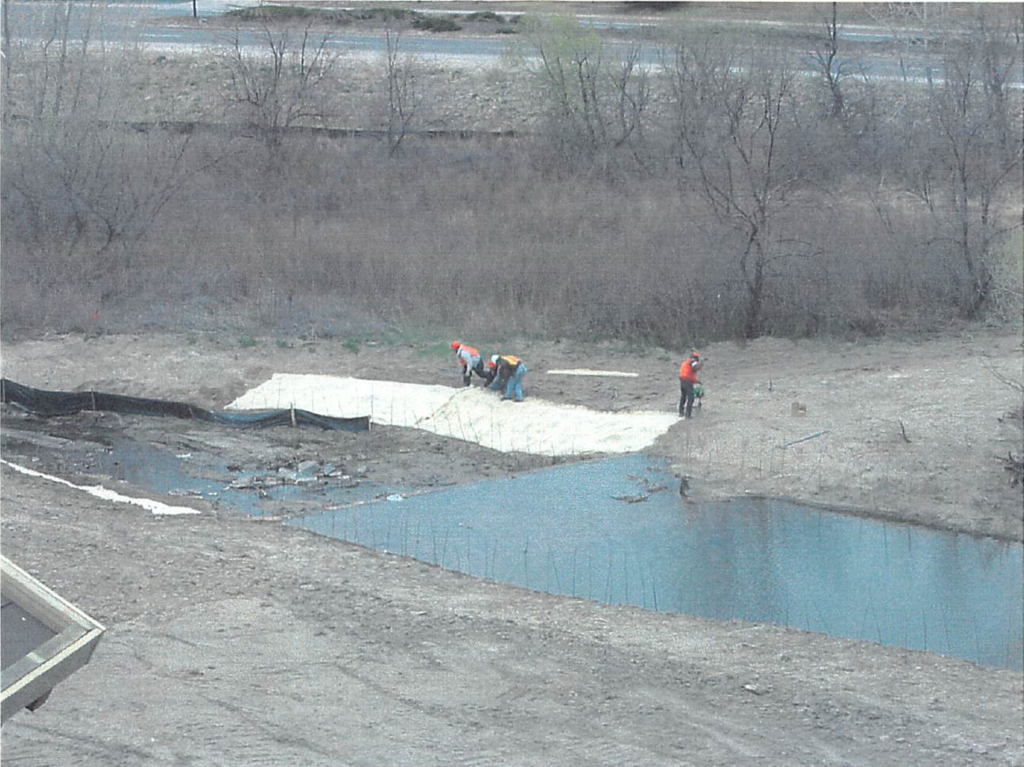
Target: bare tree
(827, 61)
(969, 173)
(278, 84)
(632, 88)
(90, 195)
(595, 105)
(731, 118)
(59, 63)
(403, 97)
(81, 187)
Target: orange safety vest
(513, 361)
(686, 372)
(469, 350)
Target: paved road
(156, 25)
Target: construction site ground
(234, 640)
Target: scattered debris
(1015, 466)
(588, 372)
(1016, 415)
(306, 472)
(631, 498)
(648, 485)
(799, 409)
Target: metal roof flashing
(44, 639)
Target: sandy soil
(237, 641)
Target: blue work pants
(515, 383)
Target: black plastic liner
(55, 403)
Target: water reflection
(561, 530)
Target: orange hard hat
(695, 354)
(455, 345)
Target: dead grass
(498, 234)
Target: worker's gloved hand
(466, 380)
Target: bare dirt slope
(235, 641)
(959, 419)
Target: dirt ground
(233, 640)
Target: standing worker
(470, 360)
(506, 372)
(687, 380)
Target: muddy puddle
(283, 490)
(618, 531)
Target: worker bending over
(470, 360)
(506, 373)
(687, 380)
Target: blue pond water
(561, 530)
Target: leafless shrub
(967, 173)
(403, 97)
(832, 68)
(82, 192)
(277, 84)
(738, 236)
(596, 105)
(733, 115)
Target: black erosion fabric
(54, 403)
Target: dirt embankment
(236, 641)
(910, 429)
(241, 642)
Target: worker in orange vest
(687, 379)
(470, 360)
(506, 372)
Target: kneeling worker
(506, 372)
(470, 360)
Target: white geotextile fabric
(589, 372)
(386, 402)
(155, 507)
(472, 414)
